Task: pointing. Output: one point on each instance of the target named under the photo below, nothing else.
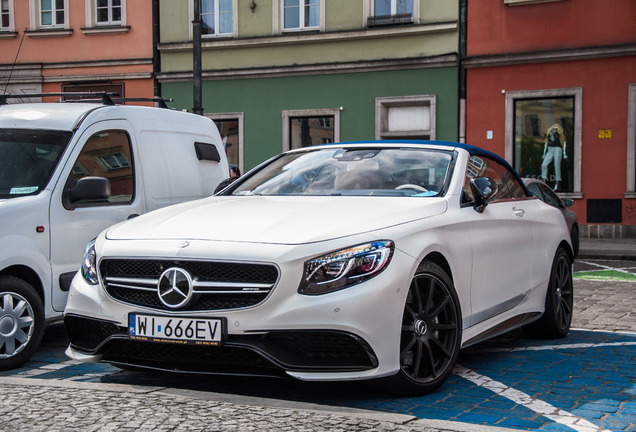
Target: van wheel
(21, 322)
(431, 333)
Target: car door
(502, 241)
(103, 150)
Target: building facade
(551, 86)
(282, 74)
(57, 46)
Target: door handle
(518, 212)
(132, 216)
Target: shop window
(6, 15)
(310, 127)
(301, 14)
(390, 12)
(230, 127)
(108, 154)
(631, 143)
(406, 117)
(543, 136)
(216, 17)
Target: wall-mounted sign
(604, 133)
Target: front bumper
(270, 353)
(349, 334)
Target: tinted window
(108, 154)
(28, 159)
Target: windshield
(340, 171)
(27, 160)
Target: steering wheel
(412, 186)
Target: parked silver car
(545, 194)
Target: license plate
(181, 330)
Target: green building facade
(281, 74)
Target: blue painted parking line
(583, 383)
(586, 383)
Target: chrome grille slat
(216, 285)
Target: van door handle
(132, 216)
(518, 212)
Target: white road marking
(545, 409)
(604, 267)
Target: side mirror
(485, 190)
(90, 189)
(567, 202)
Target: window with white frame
(301, 14)
(108, 12)
(391, 12)
(49, 14)
(230, 127)
(405, 117)
(52, 13)
(6, 12)
(216, 17)
(304, 128)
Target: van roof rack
(105, 98)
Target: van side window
(108, 154)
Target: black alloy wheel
(559, 301)
(431, 333)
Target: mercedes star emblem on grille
(175, 287)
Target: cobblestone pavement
(35, 404)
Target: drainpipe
(463, 12)
(156, 61)
(196, 59)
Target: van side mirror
(567, 202)
(90, 189)
(485, 190)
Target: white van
(70, 170)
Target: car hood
(276, 220)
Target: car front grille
(216, 285)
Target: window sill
(389, 20)
(630, 194)
(105, 29)
(61, 32)
(8, 34)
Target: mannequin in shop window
(554, 151)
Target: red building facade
(551, 86)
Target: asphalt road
(585, 382)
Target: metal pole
(196, 59)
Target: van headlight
(345, 268)
(89, 264)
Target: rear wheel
(21, 322)
(431, 333)
(559, 301)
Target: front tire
(431, 333)
(559, 301)
(21, 322)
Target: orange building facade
(551, 86)
(76, 46)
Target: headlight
(89, 264)
(344, 268)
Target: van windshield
(28, 159)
